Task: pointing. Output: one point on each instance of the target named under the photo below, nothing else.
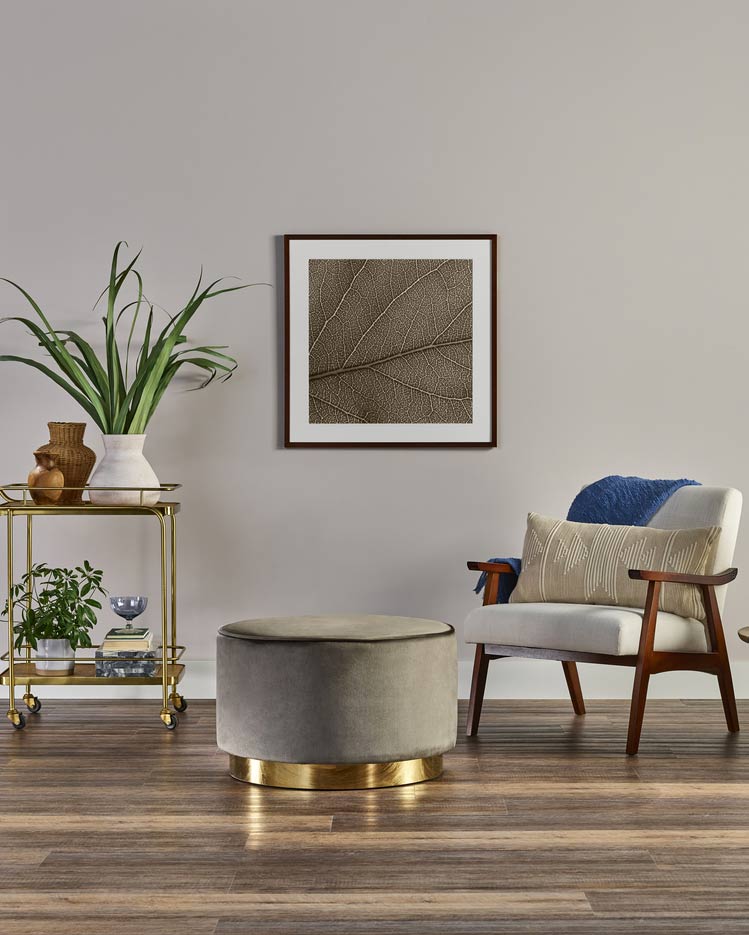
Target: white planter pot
(55, 648)
(124, 465)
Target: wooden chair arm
(672, 577)
(491, 568)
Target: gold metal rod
(164, 620)
(85, 674)
(174, 585)
(29, 561)
(11, 682)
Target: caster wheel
(18, 720)
(179, 703)
(33, 703)
(170, 721)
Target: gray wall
(605, 142)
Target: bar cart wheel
(17, 719)
(169, 719)
(179, 703)
(33, 703)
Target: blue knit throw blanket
(614, 500)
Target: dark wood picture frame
(491, 442)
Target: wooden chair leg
(637, 709)
(573, 686)
(642, 670)
(478, 684)
(729, 699)
(718, 645)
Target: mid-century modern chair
(650, 640)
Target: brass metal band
(334, 775)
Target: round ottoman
(341, 702)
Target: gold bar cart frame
(16, 500)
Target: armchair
(647, 639)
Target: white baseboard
(508, 678)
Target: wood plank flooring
(111, 824)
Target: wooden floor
(111, 824)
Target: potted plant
(57, 608)
(121, 390)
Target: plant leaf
(390, 341)
(60, 381)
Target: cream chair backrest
(696, 507)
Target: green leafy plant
(56, 604)
(118, 402)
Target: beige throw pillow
(587, 563)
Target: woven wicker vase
(71, 456)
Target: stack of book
(126, 651)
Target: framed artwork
(391, 340)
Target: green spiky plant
(117, 404)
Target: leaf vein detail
(383, 360)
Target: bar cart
(16, 501)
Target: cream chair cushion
(705, 506)
(587, 628)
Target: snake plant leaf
(213, 351)
(50, 334)
(101, 385)
(114, 362)
(135, 319)
(66, 362)
(89, 355)
(143, 353)
(82, 400)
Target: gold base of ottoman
(334, 775)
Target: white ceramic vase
(54, 648)
(124, 465)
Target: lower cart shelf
(85, 674)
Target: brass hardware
(85, 674)
(15, 718)
(11, 637)
(169, 719)
(178, 702)
(21, 669)
(334, 775)
(24, 490)
(29, 560)
(32, 703)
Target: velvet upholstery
(336, 689)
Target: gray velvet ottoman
(346, 702)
